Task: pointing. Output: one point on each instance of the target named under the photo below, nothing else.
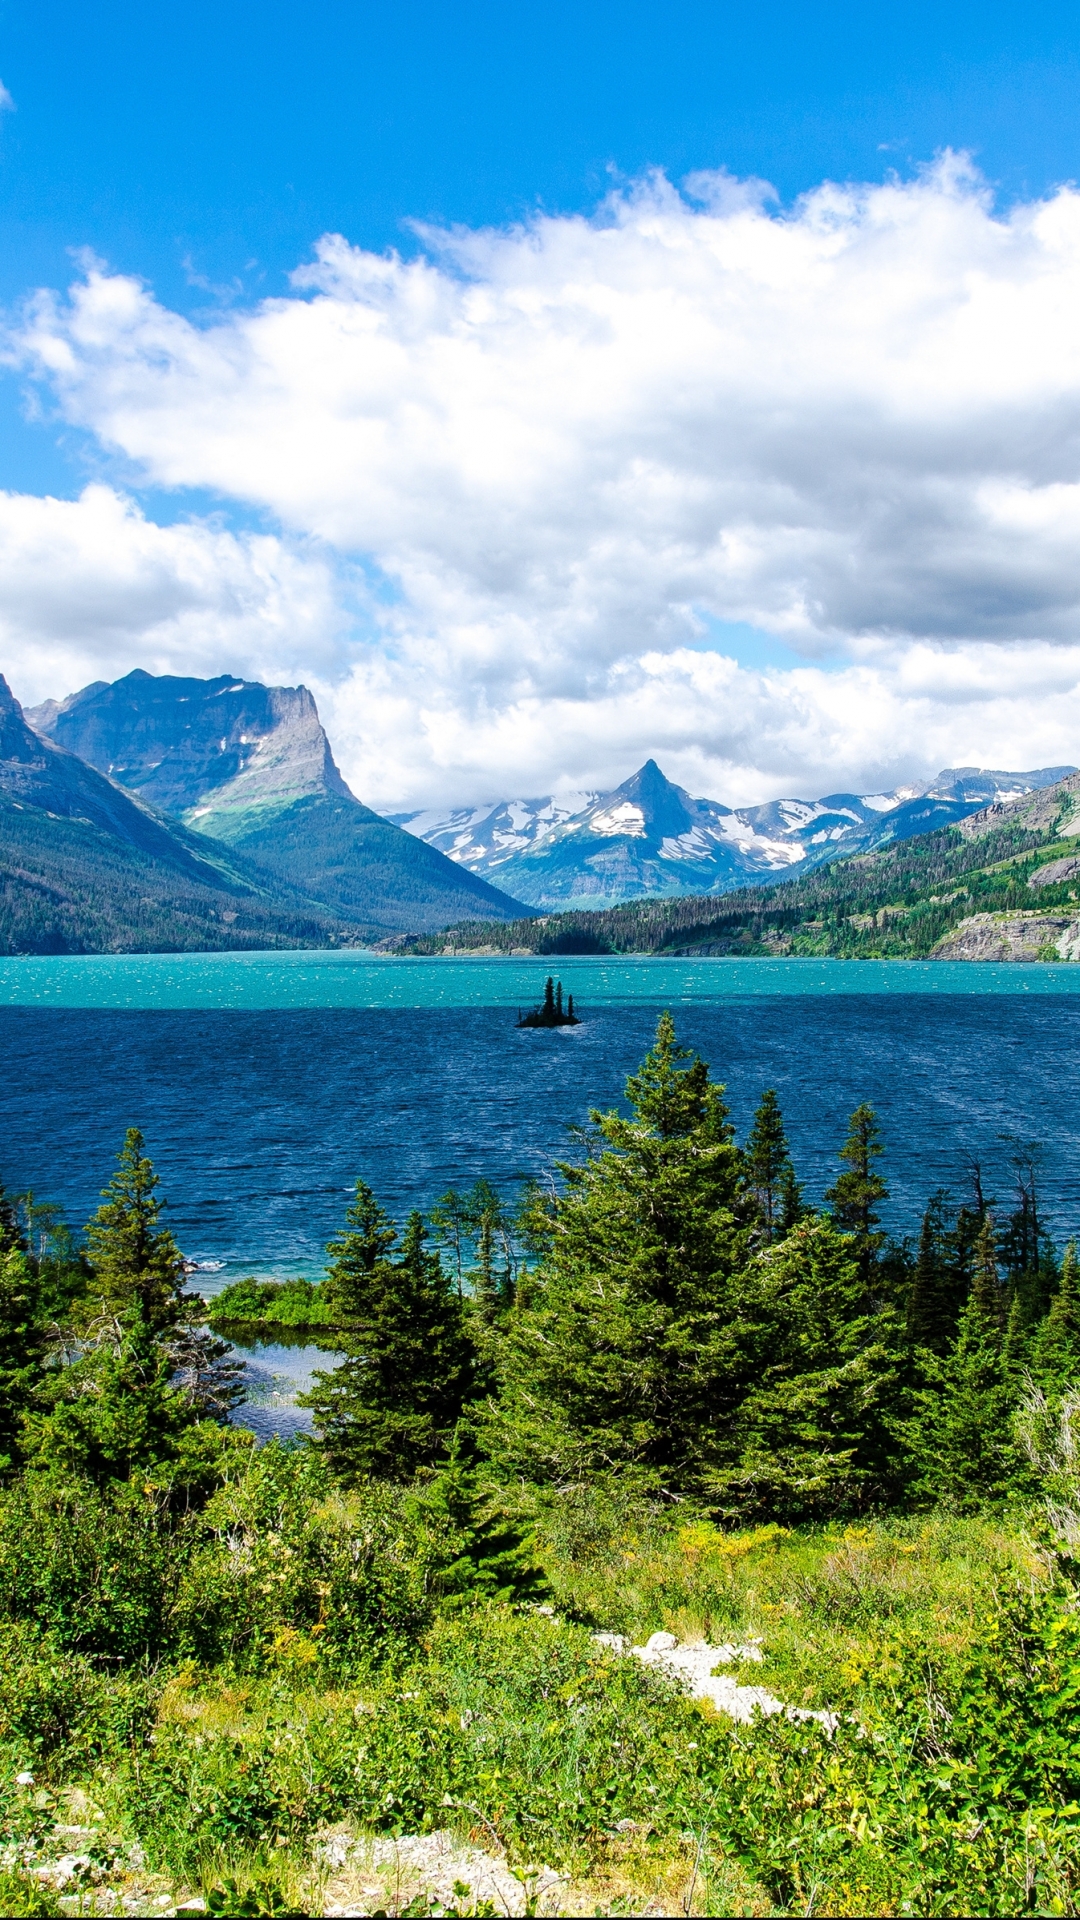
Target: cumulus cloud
(563, 446)
(90, 588)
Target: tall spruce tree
(813, 1435)
(935, 1299)
(959, 1436)
(358, 1259)
(118, 1409)
(22, 1349)
(767, 1161)
(627, 1353)
(136, 1264)
(1055, 1353)
(392, 1405)
(854, 1197)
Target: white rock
(694, 1666)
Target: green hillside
(917, 898)
(68, 886)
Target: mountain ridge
(1003, 883)
(651, 838)
(87, 867)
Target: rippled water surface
(259, 1115)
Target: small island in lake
(552, 1013)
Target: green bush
(96, 1572)
(60, 1710)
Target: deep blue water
(260, 1118)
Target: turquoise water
(265, 981)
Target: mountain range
(249, 768)
(161, 812)
(652, 839)
(1001, 884)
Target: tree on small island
(552, 1013)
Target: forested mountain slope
(1002, 884)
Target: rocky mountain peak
(198, 746)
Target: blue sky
(204, 150)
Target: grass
(513, 1730)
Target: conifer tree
(494, 1556)
(986, 1289)
(118, 1408)
(959, 1436)
(12, 1238)
(358, 1257)
(136, 1264)
(767, 1161)
(22, 1349)
(933, 1308)
(813, 1434)
(792, 1206)
(626, 1353)
(393, 1403)
(858, 1189)
(1056, 1346)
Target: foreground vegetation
(897, 903)
(663, 1394)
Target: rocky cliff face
(1013, 936)
(251, 766)
(198, 747)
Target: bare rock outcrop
(1012, 936)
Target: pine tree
(137, 1267)
(986, 1289)
(117, 1408)
(393, 1403)
(1056, 1346)
(858, 1189)
(22, 1349)
(959, 1435)
(812, 1436)
(934, 1305)
(12, 1238)
(358, 1258)
(792, 1206)
(767, 1161)
(491, 1555)
(624, 1354)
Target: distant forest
(895, 903)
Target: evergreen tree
(491, 1556)
(136, 1265)
(625, 1354)
(1056, 1346)
(358, 1263)
(959, 1436)
(792, 1206)
(393, 1403)
(934, 1305)
(12, 1238)
(858, 1189)
(986, 1289)
(812, 1435)
(117, 1408)
(22, 1348)
(767, 1161)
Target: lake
(266, 1083)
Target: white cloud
(855, 425)
(7, 104)
(89, 588)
